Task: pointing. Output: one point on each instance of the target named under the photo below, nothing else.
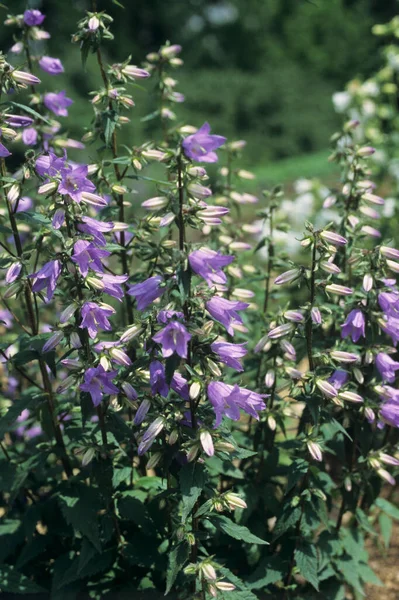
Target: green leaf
(9, 526)
(238, 532)
(368, 575)
(297, 470)
(270, 570)
(387, 508)
(306, 561)
(177, 559)
(32, 218)
(385, 523)
(79, 504)
(131, 509)
(192, 483)
(14, 582)
(364, 522)
(288, 518)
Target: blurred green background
(262, 70)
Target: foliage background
(262, 70)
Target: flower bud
(326, 388)
(67, 313)
(330, 267)
(287, 277)
(24, 78)
(207, 443)
(12, 290)
(93, 23)
(13, 193)
(373, 199)
(350, 397)
(333, 238)
(280, 331)
(48, 188)
(365, 151)
(174, 436)
(75, 340)
(66, 384)
(208, 571)
(154, 460)
(270, 378)
(271, 423)
(155, 203)
(224, 586)
(53, 341)
(234, 501)
(315, 451)
(294, 315)
(131, 333)
(315, 315)
(195, 390)
(214, 369)
(129, 391)
(344, 357)
(367, 283)
(386, 476)
(339, 290)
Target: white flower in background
(341, 101)
(303, 185)
(389, 208)
(370, 88)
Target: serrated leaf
(177, 559)
(288, 518)
(307, 563)
(364, 522)
(270, 570)
(238, 532)
(192, 483)
(14, 582)
(30, 111)
(32, 217)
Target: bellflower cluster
(160, 356)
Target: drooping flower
(158, 379)
(201, 145)
(149, 436)
(164, 316)
(389, 303)
(229, 399)
(57, 103)
(354, 325)
(3, 150)
(50, 65)
(208, 264)
(96, 229)
(173, 338)
(225, 311)
(338, 379)
(114, 351)
(147, 291)
(230, 354)
(6, 318)
(180, 385)
(87, 255)
(50, 165)
(13, 272)
(74, 181)
(47, 277)
(391, 328)
(111, 284)
(33, 17)
(98, 382)
(389, 413)
(386, 367)
(95, 317)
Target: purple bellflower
(180, 386)
(111, 284)
(33, 17)
(354, 325)
(207, 263)
(230, 354)
(389, 303)
(389, 413)
(386, 367)
(391, 328)
(96, 229)
(95, 317)
(338, 379)
(229, 399)
(47, 278)
(87, 255)
(98, 382)
(158, 379)
(74, 181)
(52, 66)
(200, 146)
(164, 316)
(147, 291)
(225, 311)
(3, 150)
(50, 165)
(173, 338)
(57, 103)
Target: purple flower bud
(58, 218)
(333, 238)
(142, 411)
(315, 451)
(149, 436)
(344, 357)
(53, 341)
(326, 388)
(53, 66)
(315, 315)
(13, 272)
(158, 379)
(294, 315)
(29, 136)
(287, 277)
(340, 290)
(365, 151)
(129, 390)
(280, 331)
(18, 120)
